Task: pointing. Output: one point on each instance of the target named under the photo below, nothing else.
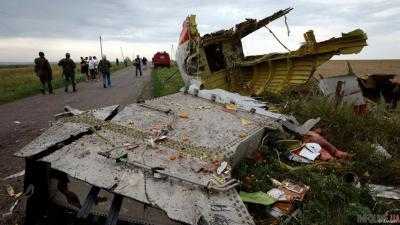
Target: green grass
(19, 82)
(162, 86)
(331, 200)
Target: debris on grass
(381, 151)
(258, 198)
(383, 191)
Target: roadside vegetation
(19, 81)
(166, 81)
(332, 198)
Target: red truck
(161, 59)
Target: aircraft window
(215, 57)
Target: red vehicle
(161, 59)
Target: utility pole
(101, 47)
(172, 51)
(122, 54)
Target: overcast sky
(144, 27)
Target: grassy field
(166, 81)
(331, 200)
(17, 82)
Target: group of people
(89, 66)
(139, 64)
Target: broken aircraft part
(177, 175)
(216, 60)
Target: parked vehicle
(161, 59)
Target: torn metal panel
(152, 154)
(80, 160)
(105, 113)
(200, 207)
(217, 61)
(57, 133)
(60, 132)
(255, 107)
(350, 89)
(132, 211)
(101, 113)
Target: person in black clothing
(85, 68)
(68, 67)
(44, 72)
(104, 69)
(144, 62)
(138, 65)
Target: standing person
(44, 72)
(84, 68)
(117, 61)
(96, 71)
(104, 69)
(68, 67)
(87, 67)
(138, 65)
(144, 61)
(92, 68)
(126, 62)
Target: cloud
(139, 26)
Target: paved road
(34, 114)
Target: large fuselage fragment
(161, 153)
(216, 60)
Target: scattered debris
(222, 167)
(160, 138)
(11, 210)
(10, 191)
(291, 193)
(184, 115)
(242, 135)
(245, 121)
(343, 89)
(382, 191)
(151, 143)
(20, 173)
(73, 111)
(231, 107)
(130, 146)
(258, 198)
(328, 150)
(295, 126)
(310, 151)
(381, 151)
(18, 197)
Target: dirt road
(34, 113)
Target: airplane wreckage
(169, 160)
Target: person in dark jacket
(85, 68)
(68, 67)
(44, 72)
(104, 69)
(138, 65)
